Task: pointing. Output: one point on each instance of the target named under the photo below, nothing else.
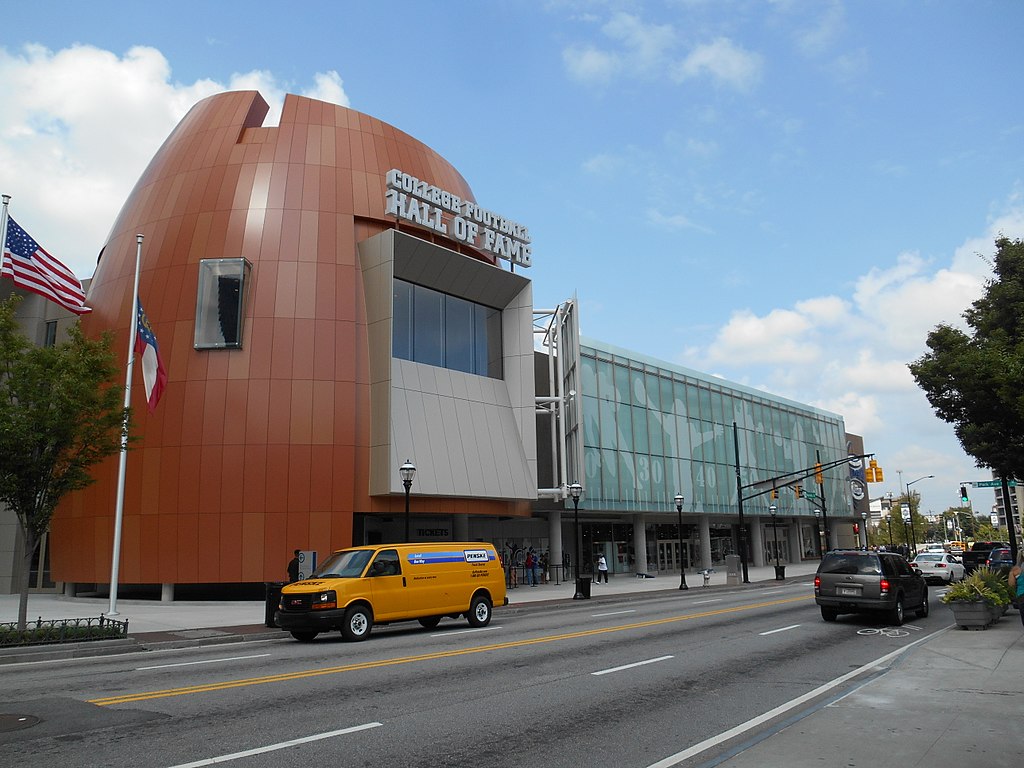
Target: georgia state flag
(154, 376)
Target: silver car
(941, 567)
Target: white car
(939, 566)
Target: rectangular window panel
(490, 332)
(428, 326)
(401, 328)
(220, 303)
(51, 333)
(459, 350)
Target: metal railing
(50, 631)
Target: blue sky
(787, 193)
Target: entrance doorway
(672, 553)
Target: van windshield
(348, 564)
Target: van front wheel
(357, 623)
(479, 614)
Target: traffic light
(963, 495)
(819, 477)
(869, 472)
(856, 528)
(775, 494)
(798, 491)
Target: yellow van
(362, 586)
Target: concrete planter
(974, 614)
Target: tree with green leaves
(976, 381)
(60, 413)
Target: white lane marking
(772, 592)
(275, 747)
(701, 602)
(780, 629)
(205, 661)
(464, 631)
(630, 666)
(754, 722)
(612, 613)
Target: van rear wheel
(304, 637)
(357, 623)
(429, 622)
(479, 613)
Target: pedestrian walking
(1016, 581)
(602, 569)
(293, 568)
(531, 560)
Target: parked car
(938, 566)
(1000, 560)
(858, 581)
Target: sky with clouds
(786, 193)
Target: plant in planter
(999, 586)
(975, 604)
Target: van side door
(388, 587)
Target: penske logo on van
(474, 556)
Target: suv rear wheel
(922, 612)
(829, 614)
(896, 614)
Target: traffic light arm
(793, 478)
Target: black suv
(855, 581)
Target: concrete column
(167, 593)
(757, 539)
(555, 545)
(704, 524)
(640, 542)
(70, 589)
(796, 554)
(460, 527)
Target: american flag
(32, 268)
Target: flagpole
(122, 466)
(3, 226)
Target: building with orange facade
(314, 341)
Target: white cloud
(724, 62)
(590, 64)
(82, 123)
(673, 221)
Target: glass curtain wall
(650, 432)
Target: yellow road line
(286, 676)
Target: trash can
(780, 572)
(273, 598)
(582, 588)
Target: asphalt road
(631, 683)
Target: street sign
(994, 483)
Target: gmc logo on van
(476, 555)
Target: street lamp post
(817, 531)
(682, 565)
(913, 533)
(888, 518)
(864, 524)
(775, 531)
(408, 472)
(576, 490)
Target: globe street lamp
(407, 471)
(864, 523)
(576, 490)
(682, 565)
(775, 531)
